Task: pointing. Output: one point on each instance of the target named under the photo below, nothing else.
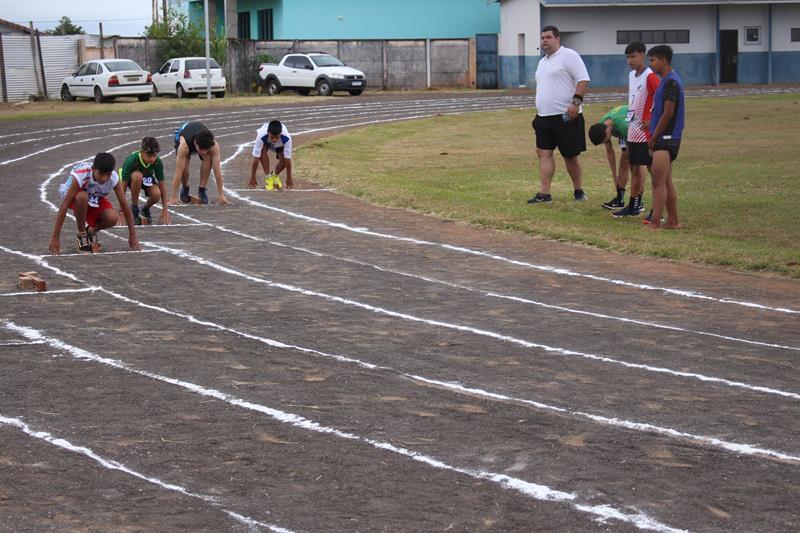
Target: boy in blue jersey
(666, 129)
(275, 138)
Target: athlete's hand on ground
(133, 242)
(55, 246)
(252, 183)
(222, 200)
(165, 218)
(289, 183)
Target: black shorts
(552, 132)
(672, 146)
(191, 152)
(639, 154)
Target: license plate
(356, 83)
(133, 78)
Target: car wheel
(144, 97)
(98, 95)
(304, 92)
(179, 92)
(356, 92)
(324, 88)
(219, 94)
(273, 87)
(66, 95)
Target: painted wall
(253, 6)
(369, 19)
(784, 18)
(738, 17)
(519, 17)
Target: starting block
(31, 280)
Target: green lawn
(737, 178)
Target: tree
(178, 37)
(66, 27)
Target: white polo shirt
(557, 76)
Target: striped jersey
(641, 89)
(82, 173)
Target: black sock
(620, 193)
(201, 190)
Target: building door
(728, 55)
(521, 55)
(486, 52)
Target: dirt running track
(300, 361)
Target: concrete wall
(784, 18)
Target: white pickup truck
(304, 72)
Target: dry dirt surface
(300, 361)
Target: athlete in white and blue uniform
(275, 137)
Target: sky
(127, 18)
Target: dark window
(165, 68)
(244, 25)
(752, 35)
(303, 63)
(265, 24)
(92, 69)
(83, 71)
(290, 62)
(175, 65)
(796, 35)
(118, 66)
(200, 64)
(653, 36)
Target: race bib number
(629, 116)
(147, 181)
(94, 200)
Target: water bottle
(565, 116)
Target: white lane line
(491, 294)
(57, 291)
(739, 448)
(115, 465)
(475, 331)
(20, 343)
(526, 488)
(101, 254)
(685, 293)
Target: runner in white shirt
(561, 83)
(275, 137)
(85, 193)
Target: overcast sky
(119, 17)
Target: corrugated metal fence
(60, 55)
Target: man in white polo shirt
(561, 83)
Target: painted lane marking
(115, 465)
(57, 291)
(739, 448)
(536, 491)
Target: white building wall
(593, 30)
(739, 16)
(784, 18)
(519, 16)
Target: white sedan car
(105, 79)
(182, 76)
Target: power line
(79, 20)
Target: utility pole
(164, 6)
(208, 52)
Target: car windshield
(197, 64)
(118, 66)
(326, 61)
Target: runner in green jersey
(614, 124)
(143, 170)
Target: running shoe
(540, 198)
(136, 218)
(185, 198)
(83, 244)
(91, 234)
(146, 213)
(201, 192)
(626, 212)
(649, 218)
(276, 180)
(614, 203)
(580, 196)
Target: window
(118, 66)
(92, 69)
(326, 61)
(175, 65)
(796, 35)
(244, 25)
(290, 62)
(752, 35)
(200, 64)
(83, 71)
(265, 24)
(165, 68)
(303, 63)
(653, 36)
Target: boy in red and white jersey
(642, 85)
(85, 193)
